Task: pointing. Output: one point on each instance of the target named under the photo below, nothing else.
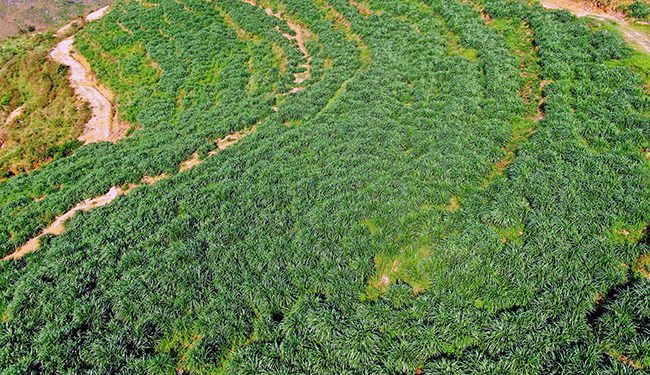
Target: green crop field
(425, 187)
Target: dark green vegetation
(50, 119)
(21, 16)
(415, 153)
(637, 9)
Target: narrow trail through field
(639, 41)
(300, 38)
(105, 124)
(57, 227)
(99, 13)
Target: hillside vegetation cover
(40, 118)
(406, 207)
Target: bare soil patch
(57, 227)
(14, 115)
(301, 37)
(99, 13)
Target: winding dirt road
(105, 124)
(633, 37)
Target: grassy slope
(416, 151)
(51, 120)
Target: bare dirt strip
(104, 125)
(99, 13)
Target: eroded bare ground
(14, 115)
(636, 39)
(57, 226)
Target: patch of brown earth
(41, 14)
(625, 359)
(226, 142)
(15, 114)
(188, 164)
(579, 8)
(384, 280)
(642, 266)
(300, 38)
(57, 227)
(453, 205)
(65, 29)
(624, 232)
(99, 13)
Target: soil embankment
(638, 40)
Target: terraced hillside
(340, 187)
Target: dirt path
(636, 39)
(105, 124)
(99, 13)
(57, 226)
(14, 115)
(94, 16)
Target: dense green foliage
(637, 9)
(272, 256)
